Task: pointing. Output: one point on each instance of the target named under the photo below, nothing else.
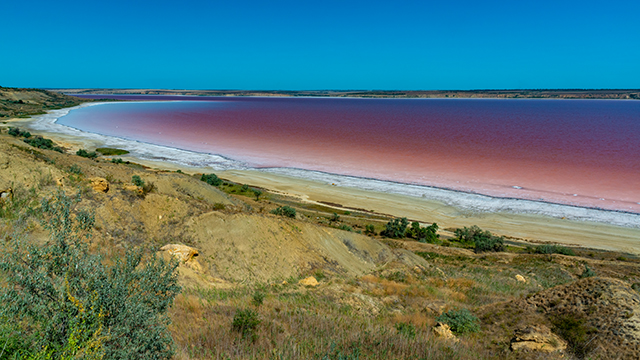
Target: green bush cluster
(285, 211)
(369, 230)
(346, 227)
(460, 321)
(42, 143)
(211, 179)
(87, 154)
(14, 131)
(396, 228)
(482, 240)
(423, 234)
(60, 301)
(551, 249)
(117, 161)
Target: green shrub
(66, 303)
(246, 322)
(42, 143)
(257, 193)
(285, 211)
(334, 217)
(244, 188)
(346, 227)
(211, 179)
(588, 272)
(427, 234)
(117, 161)
(482, 240)
(552, 249)
(460, 321)
(396, 228)
(14, 131)
(406, 329)
(369, 230)
(87, 154)
(137, 181)
(111, 151)
(491, 243)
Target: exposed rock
(537, 338)
(99, 184)
(59, 182)
(521, 278)
(443, 330)
(182, 252)
(310, 281)
(6, 194)
(133, 188)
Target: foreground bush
(62, 302)
(460, 321)
(285, 211)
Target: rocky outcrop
(181, 252)
(310, 281)
(99, 184)
(537, 338)
(521, 278)
(6, 194)
(185, 254)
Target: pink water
(579, 152)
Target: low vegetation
(111, 151)
(87, 154)
(285, 211)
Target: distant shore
(630, 94)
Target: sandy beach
(534, 228)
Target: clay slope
(261, 247)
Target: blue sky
(294, 45)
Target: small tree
(396, 228)
(257, 193)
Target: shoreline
(527, 227)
